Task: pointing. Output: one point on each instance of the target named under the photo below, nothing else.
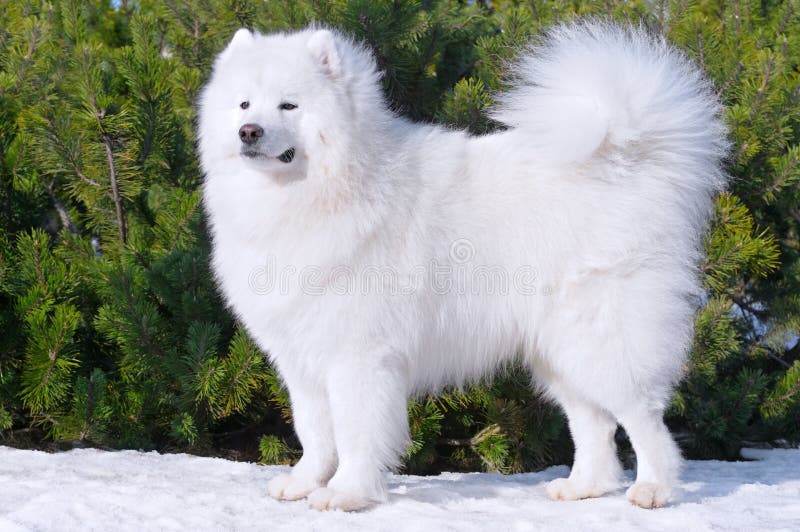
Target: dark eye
(245, 104)
(286, 106)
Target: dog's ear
(322, 46)
(241, 37)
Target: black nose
(250, 133)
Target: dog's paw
(567, 489)
(331, 499)
(289, 488)
(649, 494)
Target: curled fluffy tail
(595, 90)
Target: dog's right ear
(241, 37)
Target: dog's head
(280, 103)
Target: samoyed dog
(374, 258)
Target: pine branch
(369, 31)
(66, 221)
(87, 420)
(783, 177)
(90, 87)
(731, 79)
(112, 174)
(66, 153)
(675, 17)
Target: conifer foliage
(113, 333)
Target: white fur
(598, 191)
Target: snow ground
(95, 490)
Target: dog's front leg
(313, 425)
(367, 395)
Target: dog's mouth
(285, 157)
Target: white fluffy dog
(375, 258)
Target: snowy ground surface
(96, 490)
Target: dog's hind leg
(595, 469)
(658, 458)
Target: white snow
(128, 490)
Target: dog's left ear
(322, 46)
